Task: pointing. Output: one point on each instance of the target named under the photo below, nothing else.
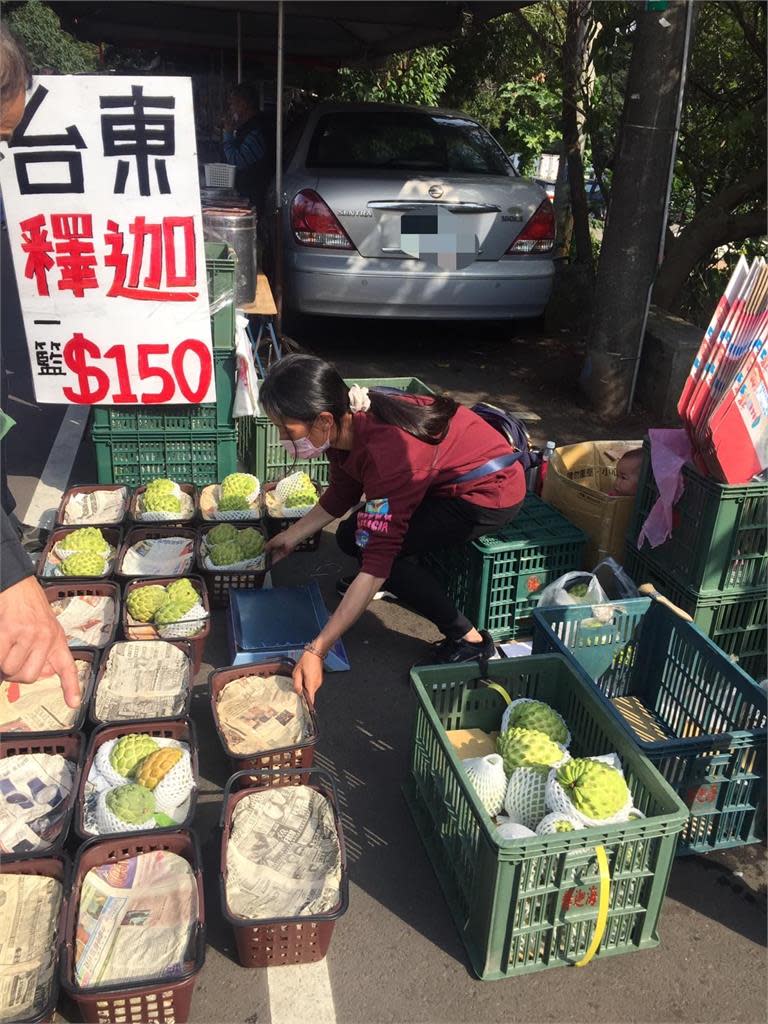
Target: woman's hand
(32, 643)
(281, 546)
(308, 676)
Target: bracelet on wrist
(311, 649)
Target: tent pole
(239, 48)
(279, 162)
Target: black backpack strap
(490, 467)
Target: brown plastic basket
(89, 489)
(112, 534)
(276, 524)
(287, 940)
(146, 631)
(70, 746)
(133, 513)
(63, 588)
(138, 533)
(89, 655)
(57, 867)
(300, 755)
(183, 645)
(221, 581)
(181, 729)
(161, 1000)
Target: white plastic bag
(572, 589)
(247, 389)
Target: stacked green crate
(190, 443)
(259, 445)
(715, 564)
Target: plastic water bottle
(546, 455)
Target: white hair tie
(358, 399)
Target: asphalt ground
(396, 956)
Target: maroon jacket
(396, 472)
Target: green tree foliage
(50, 48)
(417, 77)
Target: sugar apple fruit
(240, 484)
(251, 542)
(154, 768)
(595, 789)
(160, 501)
(182, 588)
(221, 534)
(161, 485)
(226, 554)
(555, 822)
(303, 492)
(131, 803)
(172, 611)
(129, 751)
(527, 748)
(88, 539)
(535, 714)
(144, 602)
(233, 503)
(84, 563)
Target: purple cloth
(670, 450)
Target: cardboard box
(577, 484)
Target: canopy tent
(329, 32)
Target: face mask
(302, 447)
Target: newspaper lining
(33, 801)
(142, 680)
(96, 508)
(257, 714)
(283, 855)
(87, 619)
(136, 920)
(40, 707)
(28, 943)
(161, 556)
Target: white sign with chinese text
(101, 194)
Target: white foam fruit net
(558, 800)
(187, 626)
(547, 825)
(528, 700)
(209, 501)
(526, 798)
(284, 490)
(488, 779)
(187, 509)
(175, 788)
(249, 565)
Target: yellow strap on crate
(498, 689)
(602, 906)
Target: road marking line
(301, 992)
(41, 511)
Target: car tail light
(538, 235)
(313, 222)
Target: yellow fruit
(154, 768)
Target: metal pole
(239, 48)
(665, 218)
(279, 161)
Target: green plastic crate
(736, 622)
(719, 541)
(698, 717)
(196, 458)
(220, 269)
(495, 580)
(525, 905)
(210, 416)
(259, 444)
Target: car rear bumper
(336, 284)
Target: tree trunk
(713, 225)
(563, 211)
(576, 60)
(630, 247)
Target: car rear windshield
(408, 141)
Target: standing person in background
(248, 144)
(32, 643)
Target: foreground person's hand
(280, 546)
(32, 643)
(308, 676)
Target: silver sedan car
(410, 212)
